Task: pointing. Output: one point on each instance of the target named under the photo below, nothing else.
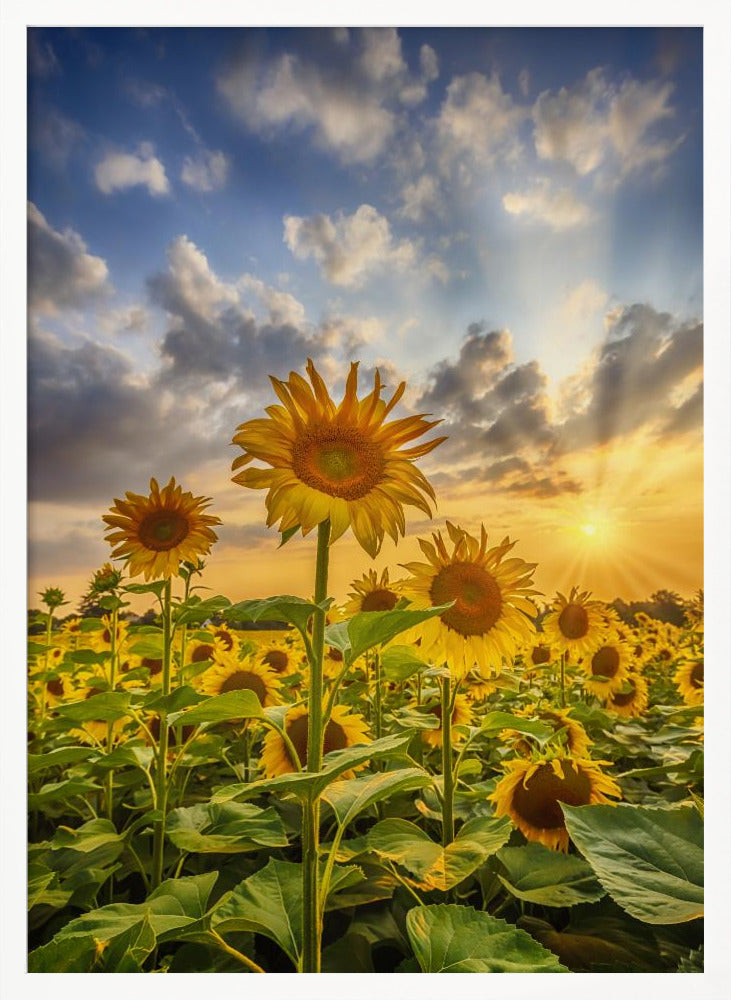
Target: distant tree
(668, 607)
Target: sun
(589, 530)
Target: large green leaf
(495, 722)
(349, 798)
(649, 860)
(539, 875)
(38, 762)
(128, 950)
(285, 608)
(75, 955)
(434, 866)
(104, 707)
(89, 837)
(598, 942)
(374, 628)
(451, 938)
(228, 828)
(61, 791)
(220, 708)
(398, 663)
(195, 611)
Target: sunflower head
(156, 533)
(372, 593)
(282, 657)
(490, 616)
(344, 729)
(576, 624)
(343, 462)
(531, 793)
(105, 580)
(632, 698)
(689, 681)
(229, 673)
(607, 668)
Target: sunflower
(689, 681)
(490, 615)
(71, 629)
(477, 688)
(531, 790)
(372, 594)
(341, 462)
(572, 732)
(343, 730)
(229, 673)
(538, 654)
(58, 690)
(101, 639)
(461, 716)
(575, 624)
(665, 652)
(156, 533)
(631, 700)
(282, 657)
(199, 650)
(606, 668)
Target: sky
(508, 219)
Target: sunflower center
(379, 600)
(277, 659)
(335, 654)
(154, 666)
(537, 800)
(625, 697)
(245, 680)
(574, 621)
(335, 738)
(605, 662)
(226, 638)
(339, 461)
(540, 654)
(106, 636)
(202, 652)
(664, 654)
(696, 676)
(163, 530)
(55, 688)
(477, 597)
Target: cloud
(207, 171)
(42, 59)
(421, 199)
(281, 306)
(129, 319)
(349, 248)
(455, 386)
(73, 551)
(559, 209)
(429, 63)
(55, 135)
(61, 274)
(381, 57)
(478, 121)
(596, 124)
(120, 171)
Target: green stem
(315, 736)
(377, 705)
(109, 792)
(563, 680)
(238, 955)
(49, 626)
(447, 771)
(162, 753)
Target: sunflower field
(450, 772)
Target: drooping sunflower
(531, 790)
(372, 594)
(461, 716)
(573, 734)
(575, 625)
(158, 532)
(631, 700)
(490, 617)
(689, 681)
(607, 668)
(344, 462)
(229, 673)
(344, 729)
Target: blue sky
(211, 205)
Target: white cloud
(61, 274)
(429, 63)
(282, 307)
(421, 198)
(560, 208)
(382, 57)
(596, 124)
(129, 319)
(478, 119)
(288, 93)
(207, 171)
(351, 248)
(119, 171)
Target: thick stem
(377, 704)
(447, 767)
(563, 680)
(315, 736)
(162, 752)
(49, 626)
(110, 725)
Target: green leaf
(197, 611)
(230, 828)
(289, 533)
(180, 698)
(89, 837)
(351, 953)
(38, 762)
(60, 791)
(597, 942)
(351, 797)
(451, 938)
(434, 866)
(294, 610)
(649, 860)
(76, 955)
(539, 875)
(495, 722)
(398, 663)
(220, 708)
(147, 647)
(128, 950)
(88, 656)
(156, 587)
(374, 628)
(104, 707)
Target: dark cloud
(61, 274)
(459, 387)
(684, 419)
(75, 550)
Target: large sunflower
(343, 730)
(158, 532)
(531, 790)
(490, 617)
(606, 668)
(631, 700)
(461, 716)
(231, 674)
(575, 624)
(345, 462)
(372, 594)
(689, 681)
